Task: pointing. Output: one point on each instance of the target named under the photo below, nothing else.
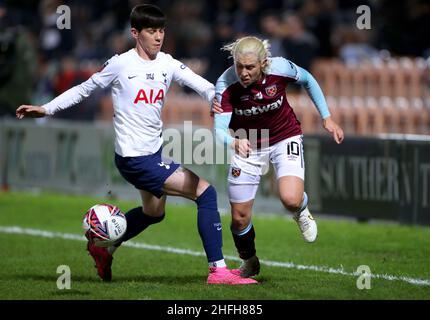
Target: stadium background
(377, 84)
(376, 81)
(321, 36)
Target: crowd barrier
(385, 177)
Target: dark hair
(147, 16)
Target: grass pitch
(28, 263)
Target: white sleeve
(70, 97)
(108, 73)
(185, 76)
(101, 79)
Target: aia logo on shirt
(149, 96)
(271, 91)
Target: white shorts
(245, 173)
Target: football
(104, 224)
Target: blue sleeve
(314, 91)
(224, 81)
(222, 120)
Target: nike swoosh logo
(131, 77)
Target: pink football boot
(103, 260)
(223, 275)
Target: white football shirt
(139, 89)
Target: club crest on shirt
(271, 91)
(235, 172)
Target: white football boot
(307, 225)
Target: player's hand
(216, 107)
(242, 147)
(334, 129)
(30, 111)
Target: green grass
(28, 264)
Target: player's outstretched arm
(30, 111)
(315, 93)
(74, 95)
(334, 129)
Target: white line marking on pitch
(140, 245)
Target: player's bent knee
(292, 202)
(238, 214)
(208, 197)
(203, 186)
(210, 189)
(239, 224)
(240, 219)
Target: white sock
(217, 264)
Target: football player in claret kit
(139, 79)
(252, 94)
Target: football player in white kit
(139, 79)
(252, 94)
